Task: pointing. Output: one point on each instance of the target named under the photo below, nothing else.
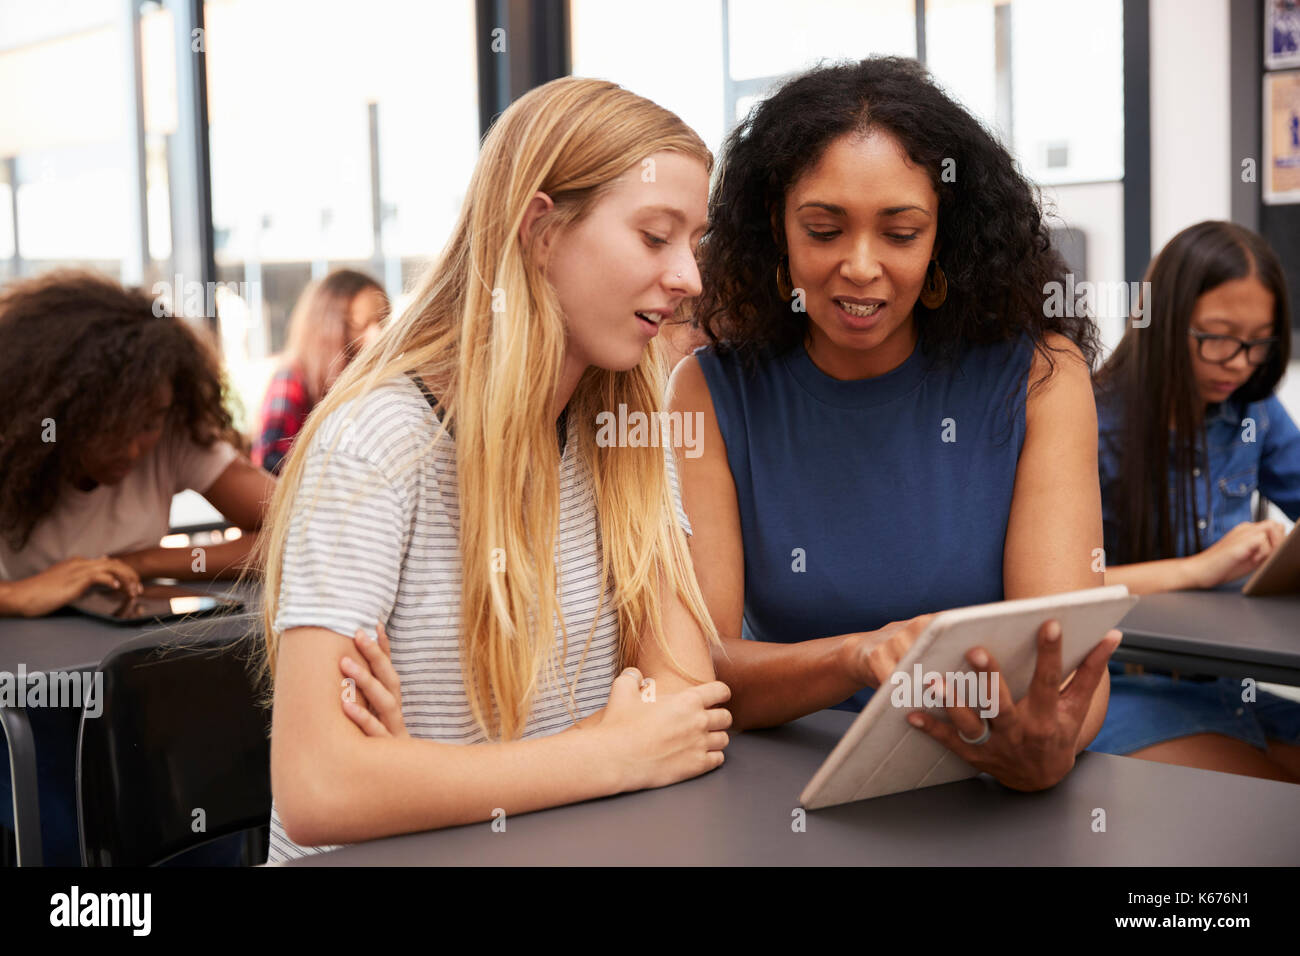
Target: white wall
(1192, 170)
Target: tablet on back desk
(882, 753)
(158, 602)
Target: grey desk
(1215, 632)
(62, 643)
(741, 815)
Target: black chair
(23, 846)
(181, 731)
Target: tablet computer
(157, 602)
(1280, 574)
(882, 753)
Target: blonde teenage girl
(535, 590)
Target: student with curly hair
(108, 408)
(893, 423)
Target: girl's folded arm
(332, 784)
(689, 648)
(688, 645)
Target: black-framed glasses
(1222, 349)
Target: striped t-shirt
(375, 537)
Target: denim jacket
(1255, 447)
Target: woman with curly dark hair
(108, 408)
(894, 423)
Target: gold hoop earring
(784, 284)
(935, 289)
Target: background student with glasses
(1189, 430)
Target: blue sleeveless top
(869, 501)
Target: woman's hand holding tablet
(875, 654)
(990, 678)
(1032, 742)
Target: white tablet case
(882, 753)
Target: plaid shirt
(284, 409)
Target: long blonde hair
(497, 374)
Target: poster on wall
(1281, 34)
(1282, 137)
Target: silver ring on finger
(977, 741)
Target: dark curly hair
(90, 355)
(993, 245)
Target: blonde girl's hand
(656, 740)
(376, 702)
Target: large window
(341, 136)
(344, 135)
(709, 60)
(71, 166)
(1046, 76)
